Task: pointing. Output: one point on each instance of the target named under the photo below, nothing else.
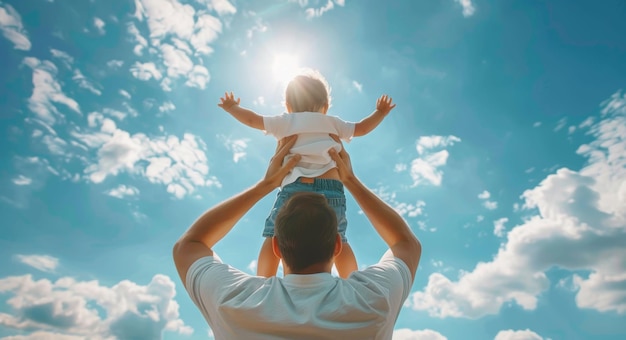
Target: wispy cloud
(122, 191)
(22, 180)
(468, 7)
(358, 86)
(12, 28)
(47, 91)
(44, 263)
(236, 146)
(314, 12)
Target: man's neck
(312, 269)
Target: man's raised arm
(216, 222)
(388, 223)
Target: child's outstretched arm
(383, 107)
(248, 117)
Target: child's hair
(307, 91)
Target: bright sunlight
(284, 67)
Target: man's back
(314, 306)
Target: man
(308, 303)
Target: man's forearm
(216, 222)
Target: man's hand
(228, 101)
(277, 171)
(384, 105)
(344, 166)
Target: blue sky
(506, 154)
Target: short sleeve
(276, 125)
(391, 274)
(344, 129)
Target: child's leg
(345, 261)
(267, 264)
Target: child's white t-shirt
(313, 129)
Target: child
(307, 99)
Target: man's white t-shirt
(313, 141)
(316, 306)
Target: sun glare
(285, 67)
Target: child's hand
(383, 104)
(228, 101)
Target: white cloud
(484, 195)
(579, 226)
(47, 91)
(180, 34)
(22, 180)
(480, 218)
(510, 334)
(179, 164)
(408, 334)
(167, 106)
(252, 266)
(426, 143)
(44, 263)
(403, 208)
(236, 146)
(498, 226)
(115, 64)
(560, 124)
(425, 169)
(198, 77)
(65, 58)
(124, 94)
(145, 71)
(82, 309)
(358, 86)
(84, 83)
(536, 124)
(222, 7)
(122, 191)
(491, 205)
(468, 7)
(314, 12)
(12, 28)
(99, 24)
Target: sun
(285, 67)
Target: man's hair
(306, 230)
(307, 91)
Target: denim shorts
(330, 188)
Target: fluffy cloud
(510, 334)
(580, 225)
(12, 28)
(99, 24)
(179, 164)
(425, 169)
(179, 34)
(145, 71)
(403, 208)
(498, 226)
(44, 263)
(71, 309)
(408, 334)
